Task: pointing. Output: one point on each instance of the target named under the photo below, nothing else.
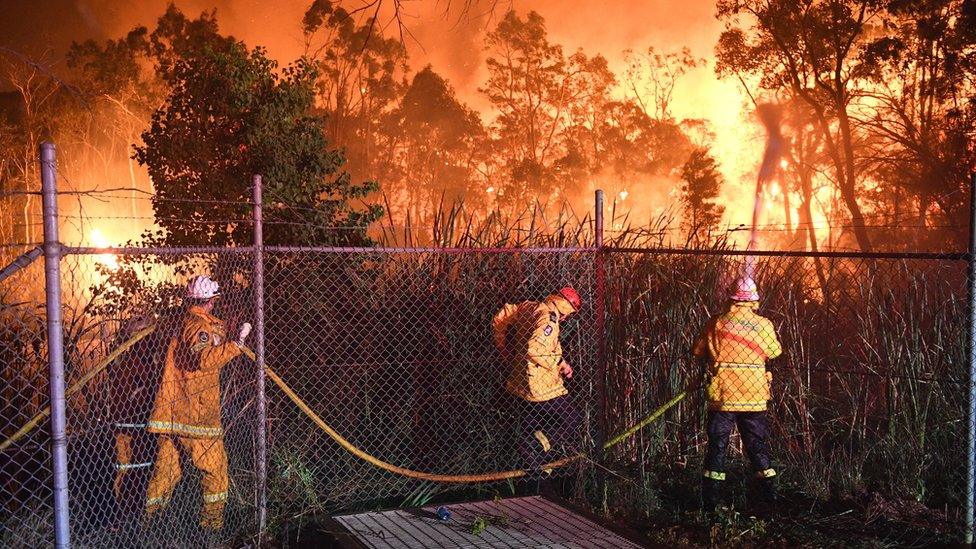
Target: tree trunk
(847, 181)
(806, 220)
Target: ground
(799, 521)
(796, 521)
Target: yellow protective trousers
(130, 455)
(209, 457)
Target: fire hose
(78, 385)
(342, 441)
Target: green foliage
(111, 68)
(230, 115)
(730, 527)
(480, 524)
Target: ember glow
(107, 260)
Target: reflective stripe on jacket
(738, 342)
(527, 334)
(188, 401)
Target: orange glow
(106, 260)
(454, 46)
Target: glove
(245, 330)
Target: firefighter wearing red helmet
(527, 335)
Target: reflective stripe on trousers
(209, 457)
(753, 428)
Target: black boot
(711, 494)
(767, 491)
(764, 504)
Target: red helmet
(569, 294)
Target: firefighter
(186, 412)
(737, 344)
(527, 335)
(131, 388)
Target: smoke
(451, 39)
(770, 116)
(88, 15)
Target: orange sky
(454, 46)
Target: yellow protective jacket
(738, 343)
(188, 401)
(527, 334)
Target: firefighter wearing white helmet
(737, 344)
(186, 412)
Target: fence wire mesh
(109, 299)
(397, 351)
(869, 397)
(25, 467)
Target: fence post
(261, 444)
(971, 356)
(55, 344)
(601, 336)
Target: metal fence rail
(394, 349)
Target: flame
(106, 260)
(623, 195)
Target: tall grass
(394, 350)
(868, 398)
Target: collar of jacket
(199, 311)
(743, 307)
(559, 305)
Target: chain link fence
(120, 312)
(25, 467)
(869, 397)
(395, 350)
(391, 375)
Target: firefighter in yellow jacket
(132, 385)
(527, 335)
(186, 412)
(738, 343)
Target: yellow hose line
(78, 385)
(433, 477)
(650, 418)
(348, 446)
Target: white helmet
(744, 289)
(202, 287)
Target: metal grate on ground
(514, 522)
